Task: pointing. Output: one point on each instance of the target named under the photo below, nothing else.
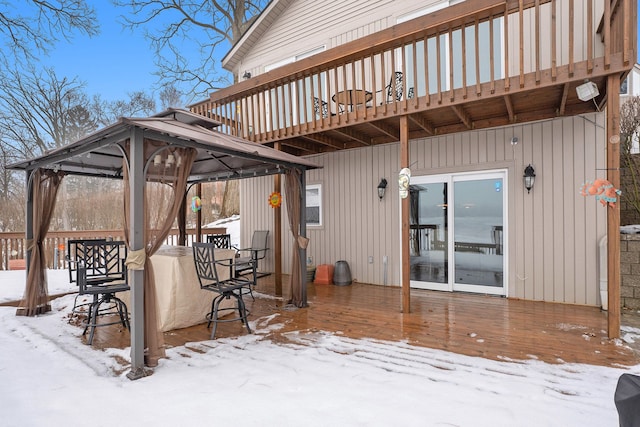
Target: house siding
(553, 232)
(308, 24)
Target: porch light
(529, 177)
(587, 91)
(246, 75)
(382, 187)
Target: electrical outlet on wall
(370, 259)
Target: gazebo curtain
(44, 189)
(164, 192)
(292, 201)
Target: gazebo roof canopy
(220, 156)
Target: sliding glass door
(457, 232)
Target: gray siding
(308, 24)
(553, 231)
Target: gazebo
(158, 157)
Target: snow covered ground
(48, 377)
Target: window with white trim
(314, 205)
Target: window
(314, 205)
(624, 87)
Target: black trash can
(341, 274)
(627, 400)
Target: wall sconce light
(246, 75)
(587, 91)
(382, 187)
(529, 177)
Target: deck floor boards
(474, 325)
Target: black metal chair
(220, 241)
(394, 88)
(77, 252)
(207, 269)
(258, 250)
(102, 273)
(321, 108)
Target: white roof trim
(252, 35)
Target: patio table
(351, 98)
(181, 302)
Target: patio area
(473, 325)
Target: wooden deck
(475, 325)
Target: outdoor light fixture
(587, 91)
(382, 187)
(246, 75)
(529, 177)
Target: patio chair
(102, 273)
(220, 241)
(395, 89)
(77, 252)
(258, 250)
(209, 272)
(321, 108)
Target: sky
(113, 63)
(316, 378)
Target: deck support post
(404, 215)
(277, 231)
(613, 212)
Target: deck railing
(476, 48)
(13, 247)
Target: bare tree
(207, 27)
(170, 97)
(139, 104)
(35, 26)
(630, 132)
(36, 110)
(40, 111)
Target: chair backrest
(220, 241)
(101, 261)
(205, 262)
(76, 253)
(394, 88)
(259, 240)
(321, 108)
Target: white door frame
(450, 179)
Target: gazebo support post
(136, 242)
(198, 215)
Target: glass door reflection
(477, 230)
(429, 231)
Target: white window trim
(320, 204)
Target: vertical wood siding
(553, 232)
